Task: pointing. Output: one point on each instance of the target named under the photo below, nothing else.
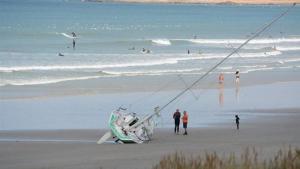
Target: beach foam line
(225, 68)
(19, 82)
(139, 63)
(287, 48)
(75, 67)
(242, 55)
(153, 72)
(288, 61)
(240, 41)
(164, 42)
(259, 69)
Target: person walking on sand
(237, 122)
(176, 117)
(185, 119)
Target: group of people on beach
(237, 77)
(185, 118)
(177, 115)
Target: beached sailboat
(129, 128)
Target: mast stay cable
(257, 33)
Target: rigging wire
(257, 33)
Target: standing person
(176, 117)
(74, 36)
(221, 78)
(237, 76)
(237, 122)
(185, 119)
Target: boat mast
(257, 33)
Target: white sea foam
(153, 72)
(165, 42)
(242, 55)
(240, 41)
(159, 60)
(225, 68)
(94, 66)
(23, 82)
(288, 48)
(259, 69)
(288, 61)
(254, 66)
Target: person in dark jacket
(237, 122)
(176, 117)
(74, 36)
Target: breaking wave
(286, 48)
(240, 41)
(165, 42)
(153, 72)
(24, 82)
(140, 63)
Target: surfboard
(68, 36)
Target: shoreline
(202, 2)
(137, 84)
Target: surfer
(188, 51)
(185, 119)
(176, 117)
(237, 122)
(74, 36)
(60, 54)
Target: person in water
(221, 78)
(185, 119)
(176, 117)
(237, 76)
(74, 36)
(237, 122)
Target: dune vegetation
(249, 159)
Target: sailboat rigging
(129, 128)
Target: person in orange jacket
(185, 119)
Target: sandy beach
(77, 148)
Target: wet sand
(75, 149)
(128, 84)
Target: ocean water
(111, 37)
